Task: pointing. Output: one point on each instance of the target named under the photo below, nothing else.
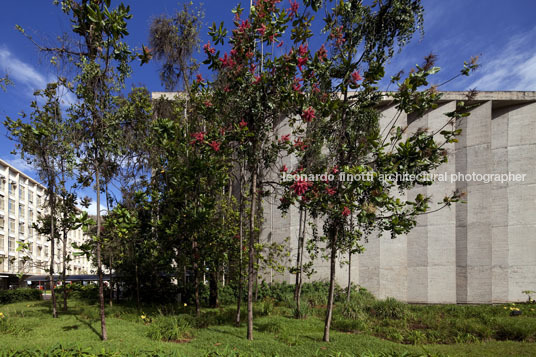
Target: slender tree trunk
(137, 286)
(349, 288)
(251, 267)
(64, 269)
(196, 278)
(111, 281)
(329, 312)
(298, 270)
(104, 334)
(300, 266)
(213, 285)
(52, 246)
(110, 259)
(64, 234)
(240, 261)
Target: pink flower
(227, 61)
(302, 50)
(243, 124)
(262, 29)
(308, 114)
(207, 103)
(335, 169)
(257, 79)
(243, 26)
(330, 191)
(199, 78)
(301, 62)
(293, 8)
(280, 44)
(283, 169)
(299, 144)
(215, 145)
(301, 186)
(346, 211)
(285, 138)
(356, 77)
(296, 87)
(322, 53)
(199, 136)
(208, 48)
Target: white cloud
(26, 74)
(512, 67)
(91, 210)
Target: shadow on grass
(70, 328)
(88, 324)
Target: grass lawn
(28, 326)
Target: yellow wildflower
(185, 304)
(1, 315)
(505, 308)
(143, 317)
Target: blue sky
(502, 33)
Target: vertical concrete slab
(521, 202)
(441, 225)
(499, 207)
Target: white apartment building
(22, 201)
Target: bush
(23, 294)
(515, 329)
(390, 308)
(170, 328)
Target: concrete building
(22, 200)
(481, 251)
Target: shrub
(515, 329)
(170, 328)
(346, 325)
(390, 308)
(266, 306)
(23, 294)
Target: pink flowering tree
(342, 134)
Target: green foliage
(390, 309)
(22, 294)
(170, 328)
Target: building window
(39, 201)
(2, 203)
(22, 191)
(11, 226)
(11, 244)
(12, 188)
(21, 212)
(30, 198)
(21, 228)
(11, 207)
(2, 223)
(46, 252)
(2, 183)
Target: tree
(345, 121)
(43, 143)
(103, 63)
(255, 92)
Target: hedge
(23, 294)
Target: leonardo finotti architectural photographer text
(437, 177)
